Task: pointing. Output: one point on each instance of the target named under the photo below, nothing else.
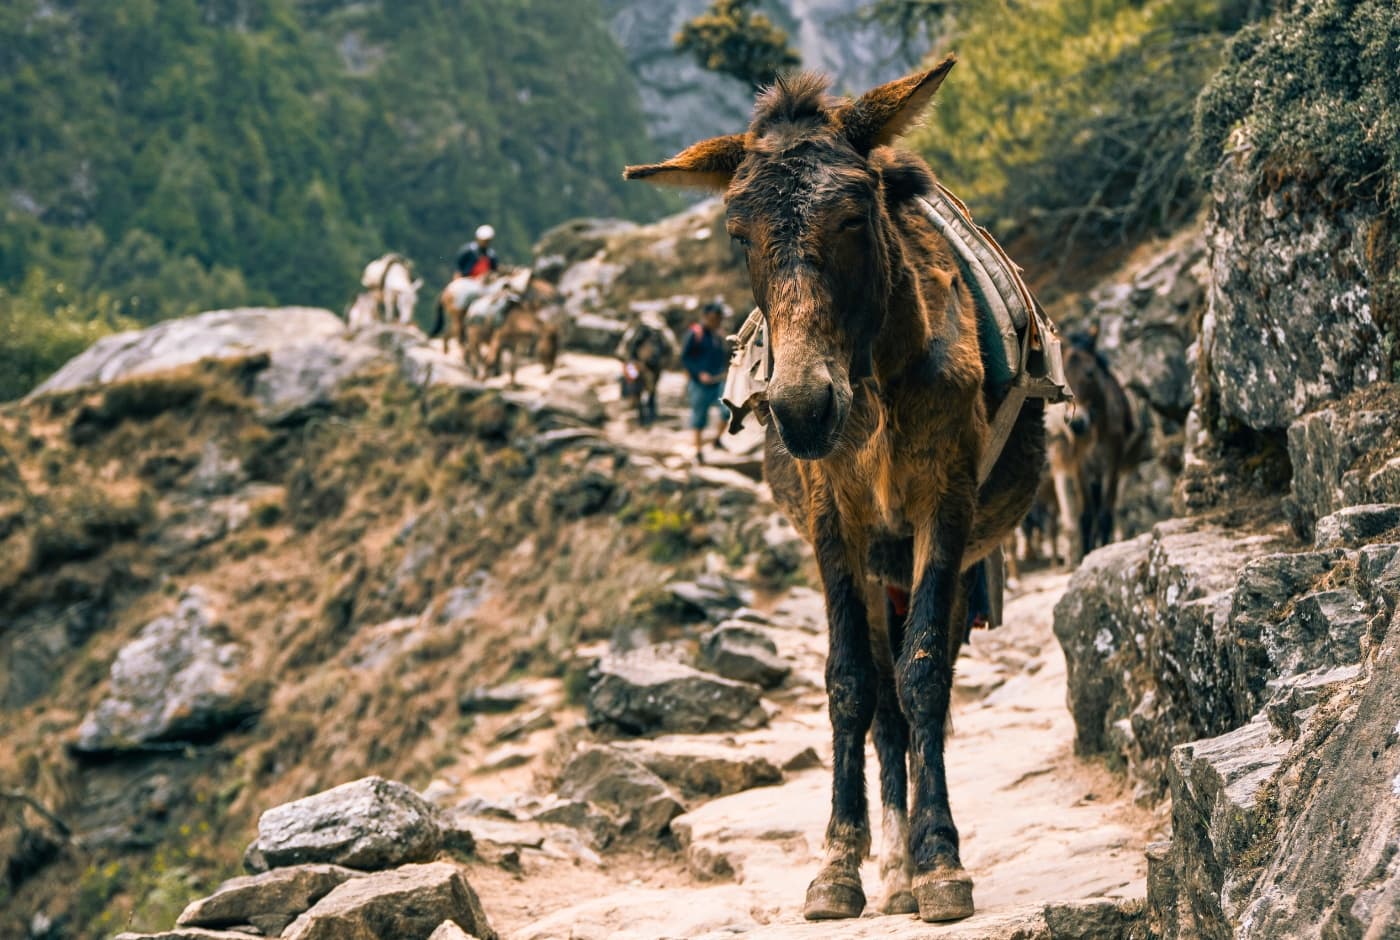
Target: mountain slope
(165, 157)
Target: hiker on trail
(645, 349)
(706, 357)
(477, 258)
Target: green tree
(1067, 122)
(732, 39)
(159, 157)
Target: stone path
(1038, 825)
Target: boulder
(217, 334)
(370, 823)
(618, 783)
(744, 653)
(182, 680)
(268, 901)
(407, 903)
(640, 693)
(308, 354)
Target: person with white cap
(477, 258)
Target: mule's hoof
(900, 902)
(833, 900)
(943, 894)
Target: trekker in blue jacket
(706, 358)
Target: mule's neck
(905, 333)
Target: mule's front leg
(925, 678)
(850, 689)
(892, 746)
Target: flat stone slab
(370, 823)
(704, 768)
(269, 901)
(407, 903)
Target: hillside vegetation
(161, 158)
(1068, 122)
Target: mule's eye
(853, 223)
(741, 240)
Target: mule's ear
(710, 164)
(880, 115)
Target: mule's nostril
(829, 405)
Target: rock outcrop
(1146, 628)
(1289, 324)
(1285, 827)
(1240, 665)
(1345, 454)
(683, 102)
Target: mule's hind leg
(892, 746)
(851, 694)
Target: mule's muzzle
(808, 414)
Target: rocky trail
(683, 789)
(1040, 827)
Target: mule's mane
(800, 98)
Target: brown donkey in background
(878, 419)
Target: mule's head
(805, 201)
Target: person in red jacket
(476, 259)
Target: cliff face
(1239, 658)
(683, 103)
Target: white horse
(390, 289)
